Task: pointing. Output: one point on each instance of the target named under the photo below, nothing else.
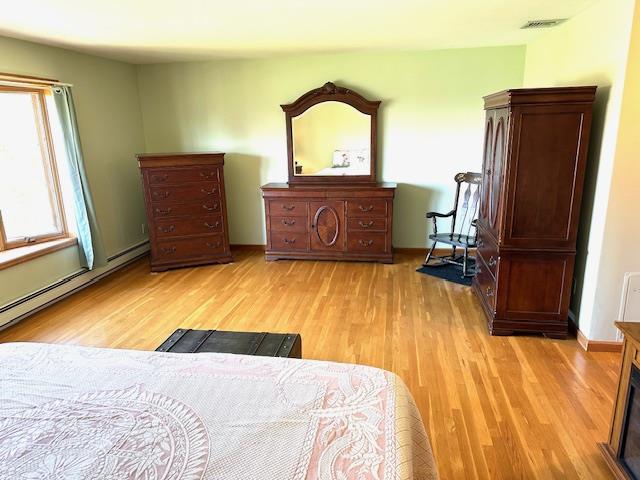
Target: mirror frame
(330, 92)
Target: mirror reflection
(331, 138)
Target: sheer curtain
(89, 238)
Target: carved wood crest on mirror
(331, 137)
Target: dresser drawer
(190, 247)
(489, 251)
(162, 210)
(367, 224)
(290, 209)
(189, 226)
(289, 241)
(288, 224)
(367, 207)
(486, 283)
(161, 176)
(367, 242)
(185, 193)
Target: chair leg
(453, 252)
(464, 262)
(428, 257)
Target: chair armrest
(440, 215)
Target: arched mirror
(331, 137)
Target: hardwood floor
(494, 407)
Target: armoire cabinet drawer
(185, 193)
(489, 251)
(485, 283)
(158, 176)
(367, 207)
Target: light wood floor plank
(495, 407)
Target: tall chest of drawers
(186, 209)
(322, 222)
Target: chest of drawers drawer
(185, 193)
(203, 207)
(160, 176)
(200, 225)
(176, 249)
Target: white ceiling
(148, 31)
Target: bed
(81, 413)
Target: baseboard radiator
(23, 307)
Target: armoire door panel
(535, 286)
(487, 168)
(328, 227)
(546, 177)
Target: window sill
(15, 256)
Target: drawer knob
(209, 192)
(365, 224)
(166, 211)
(214, 245)
(159, 178)
(167, 250)
(210, 208)
(365, 209)
(288, 223)
(288, 207)
(492, 261)
(489, 291)
(160, 195)
(168, 229)
(215, 225)
(289, 241)
(365, 243)
(207, 174)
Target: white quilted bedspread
(88, 413)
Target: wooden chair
(463, 232)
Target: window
(31, 207)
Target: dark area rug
(451, 273)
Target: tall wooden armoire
(535, 155)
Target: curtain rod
(12, 79)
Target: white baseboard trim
(19, 309)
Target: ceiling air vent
(543, 23)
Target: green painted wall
(431, 120)
(592, 48)
(108, 109)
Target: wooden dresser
(333, 207)
(535, 155)
(329, 222)
(186, 209)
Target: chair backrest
(466, 204)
